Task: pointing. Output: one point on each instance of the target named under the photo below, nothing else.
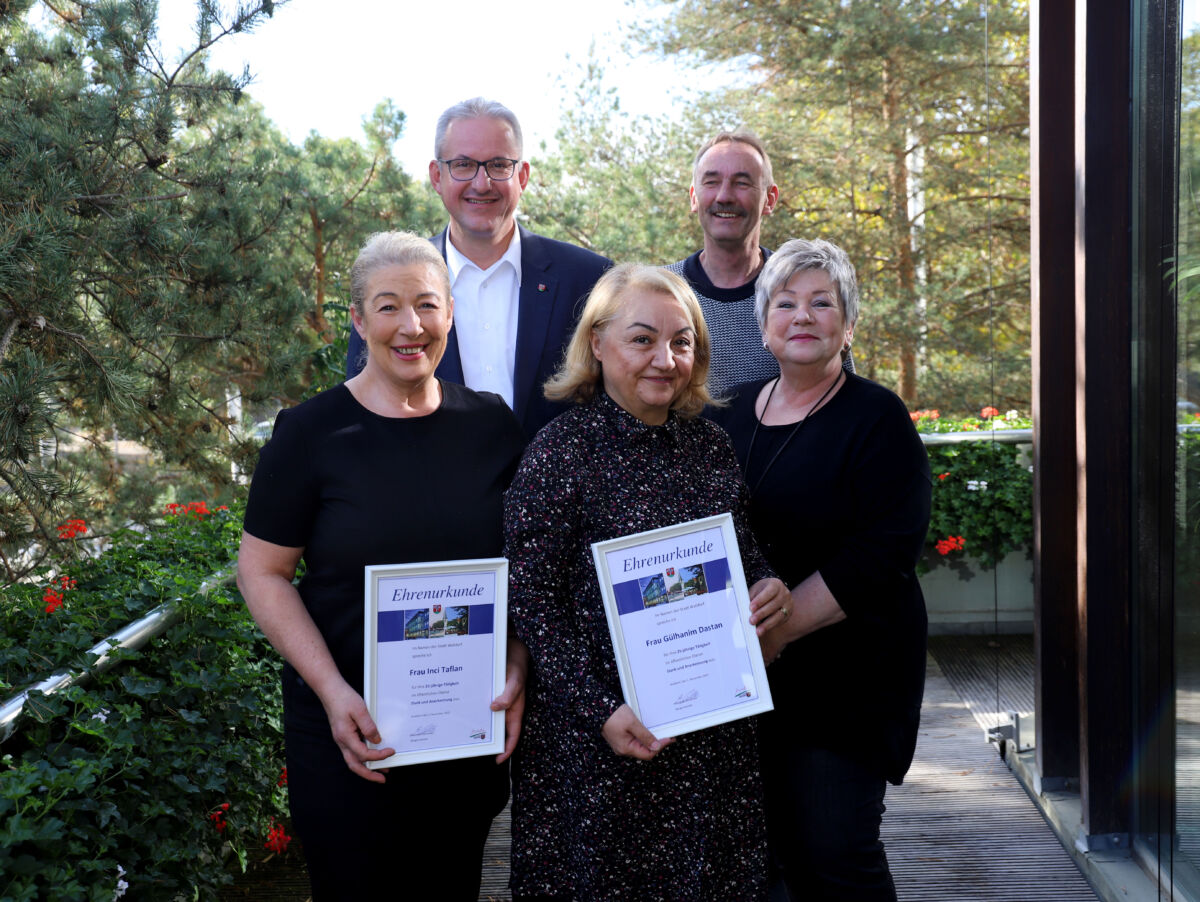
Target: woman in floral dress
(602, 810)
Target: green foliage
(1185, 272)
(982, 505)
(126, 777)
(1187, 535)
(340, 192)
(617, 184)
(167, 259)
(899, 131)
(134, 282)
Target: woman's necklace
(791, 435)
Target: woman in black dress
(839, 500)
(602, 810)
(393, 466)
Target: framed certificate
(679, 613)
(434, 657)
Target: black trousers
(823, 815)
(419, 836)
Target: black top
(354, 488)
(848, 495)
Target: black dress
(845, 493)
(354, 488)
(587, 823)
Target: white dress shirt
(485, 317)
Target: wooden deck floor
(960, 828)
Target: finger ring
(786, 613)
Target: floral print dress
(587, 823)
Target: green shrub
(982, 506)
(1187, 532)
(163, 774)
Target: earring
(764, 343)
(846, 346)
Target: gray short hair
(799, 255)
(477, 108)
(393, 249)
(741, 136)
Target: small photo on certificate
(434, 658)
(679, 613)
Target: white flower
(122, 884)
(1011, 415)
(976, 485)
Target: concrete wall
(971, 599)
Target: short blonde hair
(579, 377)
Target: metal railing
(130, 637)
(1007, 436)
(1004, 436)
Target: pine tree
(898, 129)
(135, 278)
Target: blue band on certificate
(671, 584)
(423, 623)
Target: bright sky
(324, 66)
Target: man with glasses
(516, 294)
(732, 190)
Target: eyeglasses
(463, 169)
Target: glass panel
(977, 575)
(1187, 511)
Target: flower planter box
(964, 597)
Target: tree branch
(8, 336)
(117, 198)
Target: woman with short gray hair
(839, 501)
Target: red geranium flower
(988, 412)
(948, 544)
(218, 817)
(195, 509)
(53, 600)
(277, 839)
(71, 529)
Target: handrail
(1007, 436)
(131, 637)
(1004, 436)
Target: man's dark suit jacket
(555, 279)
